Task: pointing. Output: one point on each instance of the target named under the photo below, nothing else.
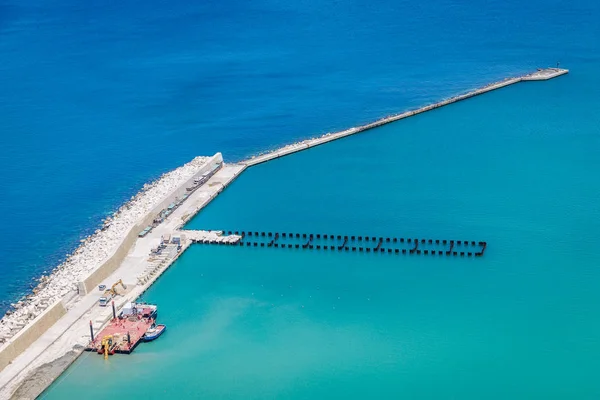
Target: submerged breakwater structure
(352, 243)
(145, 236)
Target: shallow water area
(514, 168)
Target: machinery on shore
(112, 292)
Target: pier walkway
(545, 74)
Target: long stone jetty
(539, 75)
(43, 333)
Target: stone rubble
(94, 249)
(211, 236)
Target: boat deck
(118, 329)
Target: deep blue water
(97, 99)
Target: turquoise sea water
(515, 168)
(97, 98)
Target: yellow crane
(106, 344)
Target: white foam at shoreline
(95, 249)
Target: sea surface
(98, 98)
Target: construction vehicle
(110, 293)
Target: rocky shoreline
(93, 250)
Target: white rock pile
(213, 236)
(94, 249)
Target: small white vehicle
(103, 301)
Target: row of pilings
(355, 243)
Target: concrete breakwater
(54, 334)
(115, 251)
(117, 229)
(96, 257)
(540, 75)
